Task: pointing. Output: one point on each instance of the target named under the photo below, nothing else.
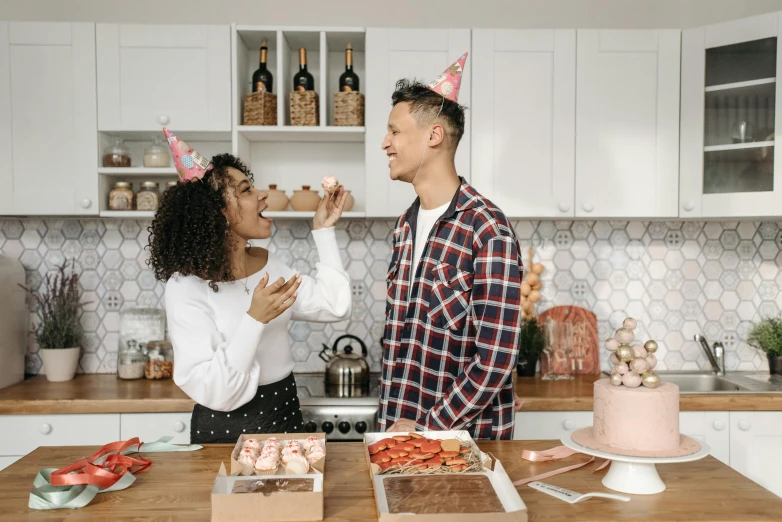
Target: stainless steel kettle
(346, 367)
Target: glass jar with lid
(148, 197)
(161, 360)
(117, 154)
(156, 155)
(132, 362)
(172, 184)
(121, 196)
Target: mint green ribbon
(46, 496)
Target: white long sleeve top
(221, 354)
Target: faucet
(716, 357)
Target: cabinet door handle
(179, 426)
(163, 120)
(744, 425)
(564, 207)
(718, 425)
(688, 206)
(568, 425)
(85, 203)
(45, 428)
(587, 207)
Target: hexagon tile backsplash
(676, 278)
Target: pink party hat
(189, 163)
(448, 83)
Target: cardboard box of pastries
(410, 479)
(277, 494)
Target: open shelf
(127, 214)
(302, 134)
(186, 135)
(137, 171)
(740, 85)
(292, 214)
(739, 146)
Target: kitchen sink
(700, 383)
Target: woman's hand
(269, 302)
(329, 209)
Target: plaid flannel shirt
(451, 340)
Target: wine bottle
(303, 80)
(348, 81)
(262, 77)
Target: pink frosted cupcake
(315, 455)
(247, 457)
(288, 453)
(274, 442)
(252, 444)
(311, 443)
(297, 465)
(329, 184)
(267, 464)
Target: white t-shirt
(221, 353)
(426, 220)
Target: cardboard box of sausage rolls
(438, 476)
(278, 477)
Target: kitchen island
(177, 488)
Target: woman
(228, 306)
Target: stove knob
(360, 427)
(327, 427)
(310, 427)
(344, 427)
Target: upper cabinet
(729, 112)
(393, 54)
(173, 75)
(48, 134)
(524, 118)
(627, 123)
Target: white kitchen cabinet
(393, 54)
(48, 134)
(173, 75)
(627, 123)
(149, 427)
(755, 443)
(544, 425)
(20, 434)
(524, 118)
(711, 427)
(729, 112)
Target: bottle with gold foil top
(303, 80)
(348, 81)
(263, 79)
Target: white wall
(406, 13)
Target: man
(453, 308)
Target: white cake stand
(635, 475)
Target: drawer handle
(744, 425)
(569, 425)
(587, 207)
(85, 203)
(163, 120)
(564, 207)
(689, 206)
(179, 426)
(719, 425)
(45, 428)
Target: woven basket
(260, 108)
(304, 108)
(348, 109)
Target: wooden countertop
(576, 395)
(108, 394)
(177, 488)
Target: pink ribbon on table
(556, 453)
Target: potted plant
(58, 330)
(767, 335)
(531, 344)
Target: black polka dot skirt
(274, 409)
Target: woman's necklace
(246, 288)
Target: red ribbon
(556, 453)
(104, 474)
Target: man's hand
(405, 425)
(517, 403)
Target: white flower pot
(60, 364)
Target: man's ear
(436, 135)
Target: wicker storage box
(304, 108)
(260, 108)
(348, 109)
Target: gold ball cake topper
(632, 363)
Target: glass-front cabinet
(728, 117)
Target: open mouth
(260, 214)
(391, 158)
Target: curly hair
(190, 234)
(425, 104)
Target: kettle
(346, 367)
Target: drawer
(149, 427)
(7, 461)
(20, 434)
(542, 425)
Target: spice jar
(147, 198)
(131, 363)
(121, 197)
(117, 154)
(156, 155)
(161, 360)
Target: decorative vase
(349, 202)
(60, 363)
(774, 364)
(276, 200)
(304, 200)
(526, 367)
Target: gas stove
(344, 414)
